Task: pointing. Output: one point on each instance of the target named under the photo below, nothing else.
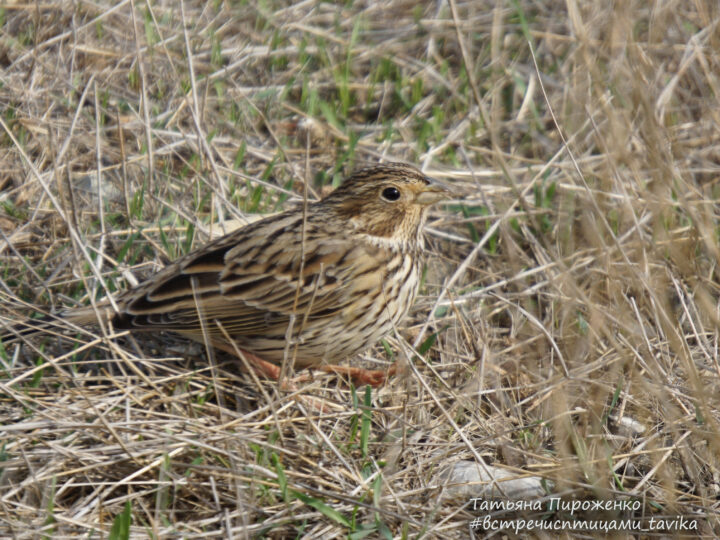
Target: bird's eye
(391, 194)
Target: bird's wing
(249, 280)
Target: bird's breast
(384, 295)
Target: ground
(565, 339)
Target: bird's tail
(51, 325)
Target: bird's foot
(272, 371)
(373, 377)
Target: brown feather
(344, 274)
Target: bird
(313, 285)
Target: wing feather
(249, 280)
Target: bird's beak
(432, 193)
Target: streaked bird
(313, 286)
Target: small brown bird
(332, 280)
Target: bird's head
(388, 202)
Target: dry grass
(572, 290)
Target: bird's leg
(270, 370)
(263, 367)
(373, 377)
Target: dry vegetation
(567, 329)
